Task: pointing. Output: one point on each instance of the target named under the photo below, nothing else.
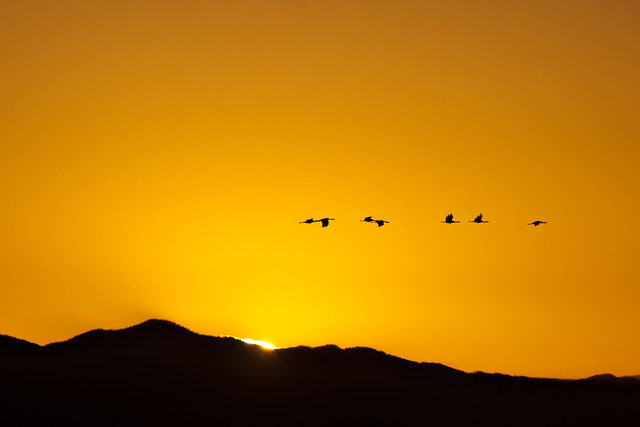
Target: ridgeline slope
(159, 373)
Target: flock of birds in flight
(448, 220)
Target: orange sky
(156, 157)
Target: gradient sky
(156, 157)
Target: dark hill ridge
(160, 373)
(11, 345)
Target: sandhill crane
(380, 222)
(449, 219)
(325, 221)
(537, 223)
(308, 221)
(478, 219)
(367, 219)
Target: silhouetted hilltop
(152, 334)
(159, 373)
(150, 330)
(609, 378)
(15, 346)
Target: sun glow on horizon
(262, 344)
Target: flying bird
(380, 222)
(537, 223)
(449, 219)
(478, 219)
(308, 221)
(367, 219)
(325, 221)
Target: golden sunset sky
(157, 156)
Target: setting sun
(262, 344)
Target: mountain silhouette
(160, 373)
(15, 346)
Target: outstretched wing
(325, 222)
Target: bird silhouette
(380, 222)
(478, 219)
(537, 223)
(367, 219)
(449, 219)
(325, 221)
(308, 221)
